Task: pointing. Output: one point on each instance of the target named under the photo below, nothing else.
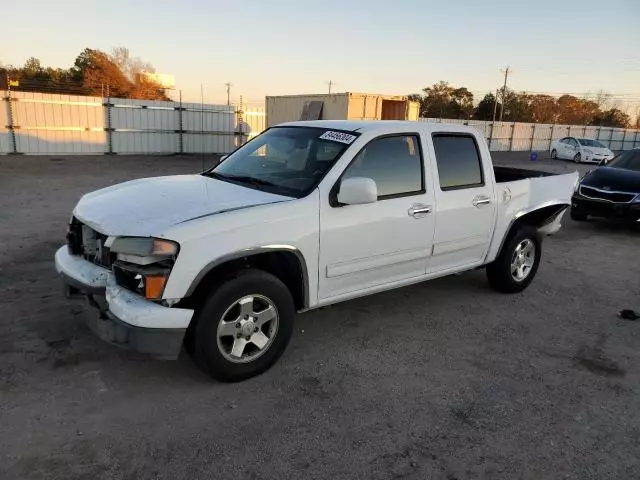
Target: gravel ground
(443, 380)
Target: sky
(280, 47)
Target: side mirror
(358, 190)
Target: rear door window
(458, 161)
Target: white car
(581, 150)
(304, 215)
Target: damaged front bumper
(125, 319)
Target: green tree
(462, 102)
(613, 117)
(576, 111)
(32, 67)
(517, 107)
(101, 75)
(484, 110)
(543, 109)
(444, 101)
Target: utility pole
(330, 83)
(504, 91)
(495, 106)
(228, 85)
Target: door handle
(481, 200)
(418, 210)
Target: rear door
(571, 148)
(374, 244)
(465, 201)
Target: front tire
(243, 326)
(517, 264)
(577, 158)
(554, 154)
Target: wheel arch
(285, 262)
(535, 217)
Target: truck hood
(149, 206)
(608, 178)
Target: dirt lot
(444, 380)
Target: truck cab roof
(362, 126)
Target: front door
(363, 246)
(562, 148)
(466, 204)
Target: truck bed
(521, 190)
(511, 174)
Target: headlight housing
(143, 264)
(144, 247)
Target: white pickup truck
(304, 215)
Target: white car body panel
(463, 230)
(348, 251)
(125, 305)
(289, 225)
(587, 154)
(149, 206)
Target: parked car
(304, 215)
(580, 150)
(611, 191)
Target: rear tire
(243, 326)
(577, 158)
(554, 154)
(517, 264)
(577, 215)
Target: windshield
(285, 160)
(629, 160)
(587, 142)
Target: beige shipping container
(342, 106)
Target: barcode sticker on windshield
(338, 137)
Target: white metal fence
(510, 136)
(37, 123)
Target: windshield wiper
(252, 180)
(212, 174)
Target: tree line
(442, 100)
(94, 72)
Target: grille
(598, 194)
(89, 244)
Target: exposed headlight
(143, 264)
